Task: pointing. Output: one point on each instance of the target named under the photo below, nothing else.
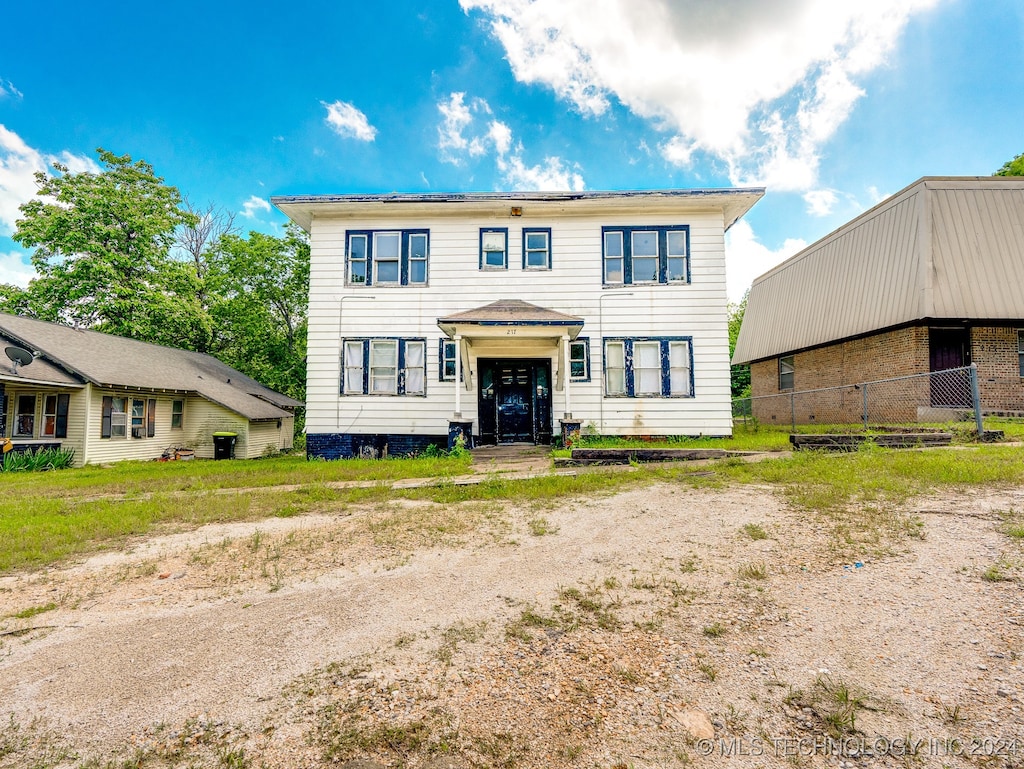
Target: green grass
(50, 517)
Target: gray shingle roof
(117, 362)
(513, 311)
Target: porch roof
(510, 312)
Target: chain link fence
(936, 398)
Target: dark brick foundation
(349, 445)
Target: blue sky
(830, 108)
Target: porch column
(458, 376)
(567, 375)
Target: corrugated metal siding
(863, 278)
(572, 286)
(978, 252)
(941, 248)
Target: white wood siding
(573, 285)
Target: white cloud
(254, 206)
(468, 130)
(820, 202)
(18, 166)
(7, 89)
(549, 175)
(16, 269)
(760, 84)
(348, 122)
(746, 258)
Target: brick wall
(994, 349)
(349, 445)
(899, 353)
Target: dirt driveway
(662, 626)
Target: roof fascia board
(732, 202)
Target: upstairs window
(649, 367)
(638, 255)
(388, 257)
(384, 367)
(537, 249)
(494, 249)
(787, 369)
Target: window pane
(647, 368)
(353, 380)
(645, 269)
(387, 245)
(357, 259)
(358, 272)
(536, 240)
(414, 367)
(387, 272)
(413, 353)
(615, 373)
(383, 382)
(676, 243)
(384, 353)
(612, 244)
(679, 362)
(418, 272)
(418, 246)
(353, 367)
(357, 247)
(578, 360)
(494, 258)
(494, 241)
(536, 258)
(676, 268)
(613, 270)
(384, 366)
(645, 244)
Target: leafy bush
(38, 460)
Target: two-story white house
(515, 317)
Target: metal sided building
(928, 280)
(515, 317)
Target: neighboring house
(515, 317)
(111, 398)
(928, 280)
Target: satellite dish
(19, 355)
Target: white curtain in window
(414, 368)
(615, 368)
(384, 366)
(679, 367)
(647, 368)
(354, 367)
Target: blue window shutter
(666, 373)
(400, 373)
(366, 366)
(403, 267)
(369, 262)
(627, 362)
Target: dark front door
(515, 401)
(949, 348)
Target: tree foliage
(740, 375)
(1013, 167)
(122, 252)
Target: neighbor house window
(537, 249)
(786, 372)
(446, 360)
(177, 414)
(115, 417)
(493, 249)
(143, 418)
(388, 258)
(646, 254)
(579, 360)
(25, 416)
(649, 367)
(49, 416)
(383, 367)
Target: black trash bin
(224, 445)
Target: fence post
(865, 386)
(976, 398)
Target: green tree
(1013, 167)
(102, 251)
(740, 375)
(259, 288)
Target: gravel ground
(663, 626)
